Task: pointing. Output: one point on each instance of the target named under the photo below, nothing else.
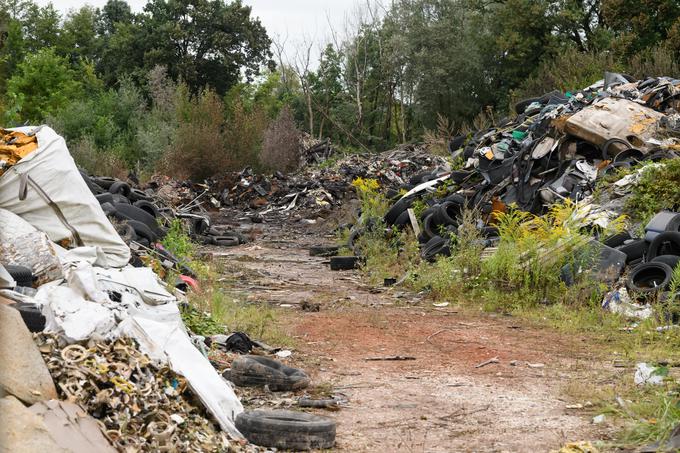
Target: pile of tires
(655, 257)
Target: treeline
(195, 87)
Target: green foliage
(374, 205)
(657, 189)
(42, 83)
(178, 242)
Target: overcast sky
(295, 19)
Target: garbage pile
(557, 148)
(313, 188)
(112, 365)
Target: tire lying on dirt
(344, 263)
(225, 241)
(397, 208)
(435, 246)
(634, 249)
(649, 277)
(287, 430)
(258, 371)
(120, 188)
(323, 250)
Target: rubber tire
(435, 246)
(344, 263)
(397, 208)
(428, 223)
(129, 212)
(654, 272)
(142, 231)
(30, 313)
(606, 145)
(258, 371)
(21, 274)
(126, 232)
(323, 250)
(616, 240)
(634, 249)
(138, 195)
(447, 213)
(148, 207)
(225, 241)
(105, 198)
(287, 430)
(671, 260)
(104, 181)
(522, 105)
(402, 220)
(120, 187)
(655, 248)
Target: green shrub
(657, 189)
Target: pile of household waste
(556, 149)
(95, 354)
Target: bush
(96, 162)
(657, 189)
(281, 144)
(243, 135)
(199, 149)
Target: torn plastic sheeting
(647, 374)
(618, 301)
(46, 189)
(67, 312)
(160, 334)
(23, 245)
(426, 185)
(139, 281)
(82, 278)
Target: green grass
(657, 189)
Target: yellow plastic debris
(14, 146)
(578, 447)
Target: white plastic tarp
(46, 189)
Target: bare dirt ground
(439, 402)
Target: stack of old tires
(654, 257)
(133, 213)
(439, 221)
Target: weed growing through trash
(178, 242)
(657, 189)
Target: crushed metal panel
(615, 118)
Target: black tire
(402, 220)
(139, 195)
(142, 231)
(129, 212)
(397, 208)
(666, 243)
(662, 221)
(323, 250)
(616, 239)
(456, 143)
(671, 260)
(104, 198)
(258, 371)
(121, 188)
(21, 274)
(109, 209)
(634, 250)
(118, 198)
(609, 143)
(447, 214)
(30, 313)
(287, 430)
(344, 263)
(428, 227)
(94, 188)
(434, 247)
(104, 181)
(126, 232)
(353, 236)
(148, 207)
(420, 177)
(649, 278)
(225, 241)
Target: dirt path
(439, 402)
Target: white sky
(291, 20)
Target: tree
(204, 42)
(79, 38)
(41, 84)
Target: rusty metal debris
(139, 405)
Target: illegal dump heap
(111, 365)
(554, 153)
